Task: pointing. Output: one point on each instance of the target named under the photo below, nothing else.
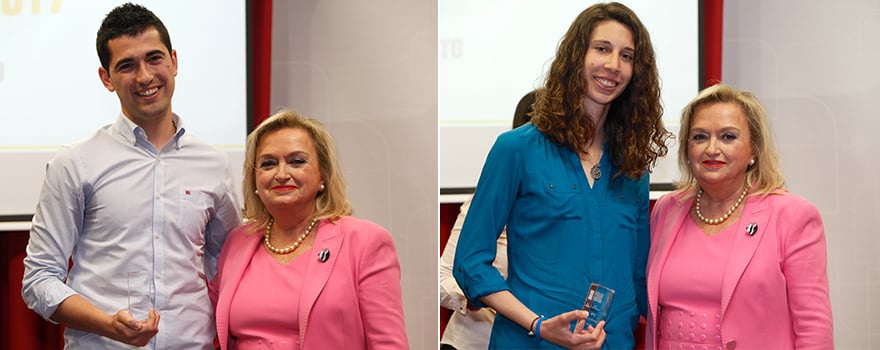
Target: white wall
(813, 65)
(368, 71)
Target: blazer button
(731, 344)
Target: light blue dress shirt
(115, 204)
(561, 235)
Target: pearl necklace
(726, 215)
(291, 248)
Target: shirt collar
(132, 132)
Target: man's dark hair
(127, 20)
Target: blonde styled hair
(331, 203)
(765, 176)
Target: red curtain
(20, 328)
(261, 67)
(713, 27)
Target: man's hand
(134, 332)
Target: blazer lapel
(234, 267)
(756, 211)
(328, 238)
(670, 227)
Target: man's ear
(105, 79)
(174, 61)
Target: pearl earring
(752, 162)
(322, 188)
(256, 191)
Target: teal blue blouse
(562, 235)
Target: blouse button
(731, 344)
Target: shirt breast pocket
(193, 215)
(625, 210)
(564, 200)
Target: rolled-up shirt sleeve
(486, 219)
(56, 226)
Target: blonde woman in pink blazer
(303, 273)
(735, 260)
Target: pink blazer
(775, 285)
(351, 301)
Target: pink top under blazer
(350, 301)
(774, 285)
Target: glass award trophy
(597, 303)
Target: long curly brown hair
(633, 127)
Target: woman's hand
(557, 330)
(598, 333)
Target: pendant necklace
(595, 172)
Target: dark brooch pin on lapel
(324, 255)
(752, 229)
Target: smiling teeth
(148, 92)
(605, 83)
